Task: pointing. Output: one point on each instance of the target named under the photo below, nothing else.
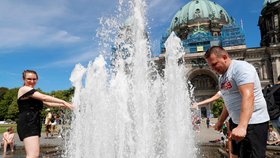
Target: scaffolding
(197, 42)
(232, 35)
(201, 40)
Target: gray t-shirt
(240, 73)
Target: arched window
(222, 15)
(276, 22)
(202, 82)
(197, 13)
(215, 34)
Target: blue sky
(52, 36)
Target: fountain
(128, 109)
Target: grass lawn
(3, 128)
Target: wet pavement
(205, 137)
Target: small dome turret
(268, 2)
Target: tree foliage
(3, 90)
(12, 113)
(217, 107)
(63, 94)
(7, 100)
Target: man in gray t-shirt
(241, 73)
(241, 90)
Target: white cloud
(26, 23)
(13, 37)
(64, 37)
(41, 23)
(158, 8)
(72, 60)
(37, 36)
(154, 3)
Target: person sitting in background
(53, 124)
(273, 137)
(196, 123)
(8, 139)
(48, 122)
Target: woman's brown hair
(29, 71)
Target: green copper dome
(199, 9)
(268, 1)
(201, 24)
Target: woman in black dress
(30, 104)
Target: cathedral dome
(196, 10)
(201, 24)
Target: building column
(276, 69)
(261, 71)
(264, 70)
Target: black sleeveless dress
(29, 120)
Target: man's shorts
(254, 143)
(234, 145)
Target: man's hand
(238, 133)
(218, 126)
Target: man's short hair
(217, 50)
(279, 78)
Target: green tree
(3, 109)
(3, 106)
(63, 94)
(8, 102)
(3, 90)
(9, 97)
(217, 107)
(12, 113)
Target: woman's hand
(195, 106)
(68, 105)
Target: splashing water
(130, 110)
